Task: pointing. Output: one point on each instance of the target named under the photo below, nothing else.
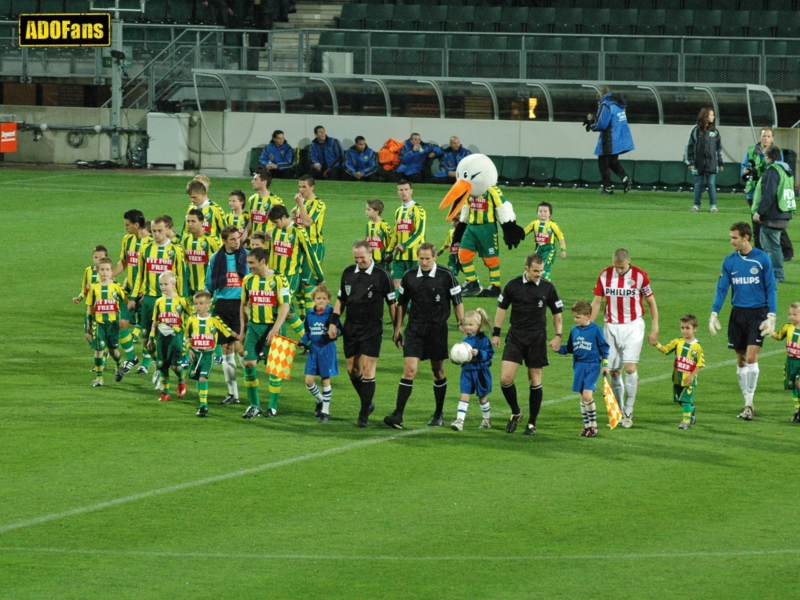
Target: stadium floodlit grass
(107, 493)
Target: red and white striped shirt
(623, 294)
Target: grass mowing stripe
(282, 463)
(205, 481)
(385, 558)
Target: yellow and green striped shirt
(482, 208)
(90, 277)
(547, 232)
(378, 235)
(213, 219)
(285, 249)
(238, 221)
(197, 252)
(264, 296)
(154, 260)
(259, 209)
(792, 336)
(131, 244)
(688, 357)
(201, 332)
(102, 302)
(171, 314)
(409, 230)
(316, 212)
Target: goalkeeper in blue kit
(748, 273)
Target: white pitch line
(386, 558)
(207, 480)
(282, 463)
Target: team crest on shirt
(754, 271)
(347, 290)
(629, 282)
(438, 298)
(541, 303)
(212, 329)
(171, 254)
(272, 284)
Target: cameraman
(753, 167)
(615, 138)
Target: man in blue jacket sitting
(360, 162)
(413, 156)
(278, 156)
(450, 156)
(326, 155)
(615, 138)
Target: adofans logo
(65, 30)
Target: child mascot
(480, 205)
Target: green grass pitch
(106, 493)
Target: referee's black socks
(439, 392)
(510, 394)
(535, 402)
(356, 381)
(367, 393)
(403, 394)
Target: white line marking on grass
(33, 179)
(282, 463)
(385, 558)
(207, 480)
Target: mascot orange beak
(456, 197)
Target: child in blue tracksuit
(589, 351)
(476, 377)
(321, 361)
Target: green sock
(274, 391)
(251, 384)
(146, 359)
(202, 389)
(688, 409)
(218, 351)
(126, 343)
(98, 367)
(165, 383)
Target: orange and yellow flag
(281, 356)
(614, 414)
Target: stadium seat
(379, 16)
(331, 38)
(24, 7)
(352, 16)
(513, 19)
(459, 18)
(596, 20)
(541, 170)
(751, 5)
(678, 22)
(181, 12)
(568, 20)
(623, 21)
(669, 4)
(487, 19)
(696, 4)
(735, 23)
(646, 174)
(651, 22)
(590, 173)
(515, 170)
(540, 20)
(6, 9)
(568, 172)
(54, 6)
(706, 22)
(498, 162)
(729, 180)
(432, 18)
(614, 4)
(787, 5)
(154, 12)
(673, 175)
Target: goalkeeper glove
(713, 324)
(768, 326)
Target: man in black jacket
(773, 204)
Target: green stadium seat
(541, 170)
(780, 5)
(736, 22)
(615, 4)
(547, 43)
(406, 12)
(6, 9)
(669, 4)
(590, 173)
(354, 11)
(728, 180)
(52, 6)
(541, 19)
(25, 7)
(651, 22)
(181, 12)
(331, 38)
(659, 46)
(351, 24)
(696, 4)
(623, 21)
(596, 18)
(498, 162)
(567, 20)
(355, 39)
(513, 19)
(673, 175)
(154, 12)
(515, 170)
(628, 165)
(466, 42)
(646, 174)
(594, 29)
(568, 172)
(678, 22)
(745, 47)
(751, 5)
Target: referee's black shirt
(430, 294)
(363, 292)
(529, 302)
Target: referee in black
(430, 289)
(529, 296)
(365, 287)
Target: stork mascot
(480, 206)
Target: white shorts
(625, 343)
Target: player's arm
(243, 306)
(285, 302)
(79, 298)
(555, 343)
(559, 235)
(651, 304)
(305, 246)
(87, 322)
(138, 285)
(499, 319)
(597, 302)
(723, 283)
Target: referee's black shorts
(228, 313)
(426, 341)
(528, 347)
(362, 338)
(743, 327)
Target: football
(461, 353)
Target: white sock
(486, 408)
(314, 391)
(741, 375)
(631, 385)
(752, 380)
(229, 369)
(327, 393)
(462, 409)
(619, 389)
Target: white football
(461, 353)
